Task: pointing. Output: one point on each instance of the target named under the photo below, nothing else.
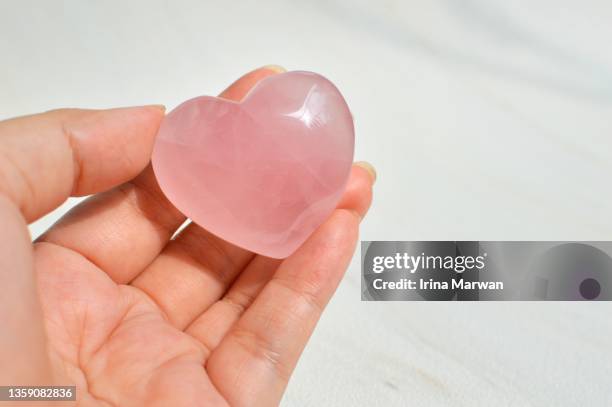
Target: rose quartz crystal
(264, 173)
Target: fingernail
(161, 108)
(274, 68)
(369, 168)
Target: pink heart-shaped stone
(263, 173)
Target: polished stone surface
(264, 173)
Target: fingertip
(369, 168)
(358, 193)
(238, 90)
(153, 113)
(274, 68)
(159, 108)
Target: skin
(106, 300)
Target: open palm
(108, 300)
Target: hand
(106, 300)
